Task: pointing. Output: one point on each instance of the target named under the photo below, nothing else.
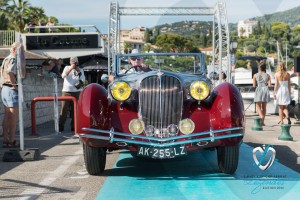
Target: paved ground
(288, 152)
(60, 173)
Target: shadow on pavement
(284, 154)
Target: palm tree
(242, 31)
(147, 48)
(127, 47)
(3, 18)
(17, 13)
(36, 13)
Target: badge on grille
(160, 73)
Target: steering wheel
(132, 67)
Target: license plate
(161, 153)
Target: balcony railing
(7, 38)
(62, 29)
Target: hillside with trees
(290, 17)
(281, 27)
(194, 33)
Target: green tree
(147, 48)
(170, 42)
(36, 13)
(279, 29)
(127, 47)
(17, 14)
(3, 18)
(242, 31)
(259, 31)
(147, 36)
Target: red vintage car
(163, 112)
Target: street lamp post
(232, 47)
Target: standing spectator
(262, 81)
(282, 91)
(50, 23)
(74, 78)
(41, 23)
(60, 65)
(53, 67)
(31, 26)
(9, 96)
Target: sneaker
(15, 144)
(5, 145)
(289, 120)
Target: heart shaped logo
(264, 151)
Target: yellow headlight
(199, 90)
(136, 126)
(120, 91)
(186, 126)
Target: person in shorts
(9, 95)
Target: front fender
(93, 108)
(228, 109)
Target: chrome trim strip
(153, 140)
(212, 135)
(160, 145)
(160, 104)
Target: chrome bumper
(161, 142)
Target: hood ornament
(160, 73)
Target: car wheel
(133, 154)
(95, 159)
(228, 158)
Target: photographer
(74, 79)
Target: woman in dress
(282, 91)
(262, 81)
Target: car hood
(134, 79)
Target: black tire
(228, 158)
(133, 154)
(95, 159)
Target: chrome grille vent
(160, 101)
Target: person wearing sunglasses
(137, 63)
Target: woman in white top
(282, 91)
(50, 23)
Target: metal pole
(298, 114)
(55, 103)
(278, 51)
(20, 96)
(286, 54)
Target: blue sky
(96, 12)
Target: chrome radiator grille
(160, 101)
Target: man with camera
(74, 79)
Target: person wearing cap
(9, 95)
(137, 63)
(74, 78)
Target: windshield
(251, 63)
(143, 63)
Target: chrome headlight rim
(141, 129)
(112, 88)
(186, 120)
(204, 86)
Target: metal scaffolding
(221, 38)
